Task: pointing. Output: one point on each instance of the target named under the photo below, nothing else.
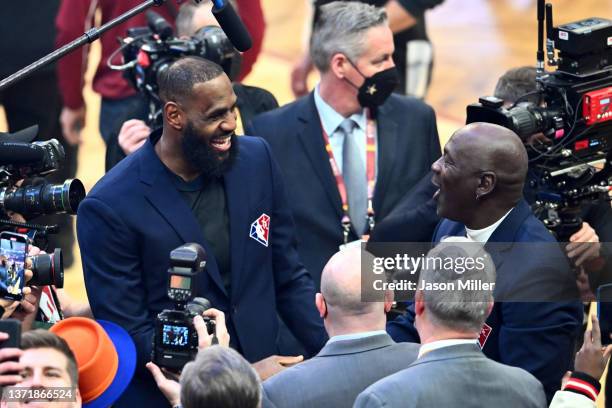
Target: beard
(203, 157)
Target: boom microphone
(232, 25)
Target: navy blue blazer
(408, 144)
(134, 217)
(536, 336)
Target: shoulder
(119, 180)
(517, 376)
(405, 349)
(285, 112)
(253, 148)
(533, 230)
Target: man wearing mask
(350, 149)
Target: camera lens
(198, 305)
(48, 269)
(44, 198)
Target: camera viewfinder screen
(177, 336)
(180, 282)
(12, 260)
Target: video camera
(149, 51)
(175, 342)
(574, 114)
(25, 161)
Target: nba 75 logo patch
(260, 229)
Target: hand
(73, 121)
(28, 307)
(206, 340)
(272, 365)
(9, 368)
(133, 134)
(299, 76)
(170, 388)
(584, 245)
(11, 305)
(592, 358)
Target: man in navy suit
(536, 317)
(352, 47)
(194, 181)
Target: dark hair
(177, 81)
(219, 377)
(516, 83)
(36, 339)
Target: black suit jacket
(408, 144)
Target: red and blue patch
(260, 229)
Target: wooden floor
(475, 42)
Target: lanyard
(370, 174)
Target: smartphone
(13, 252)
(604, 312)
(12, 327)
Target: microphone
(159, 25)
(20, 153)
(232, 25)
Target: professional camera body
(148, 51)
(175, 341)
(572, 168)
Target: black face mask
(376, 89)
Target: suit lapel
(310, 135)
(164, 197)
(387, 141)
(237, 198)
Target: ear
(419, 303)
(321, 306)
(78, 396)
(491, 304)
(389, 295)
(174, 115)
(486, 184)
(339, 65)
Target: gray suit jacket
(456, 376)
(341, 370)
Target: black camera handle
(88, 37)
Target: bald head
(341, 283)
(497, 149)
(480, 175)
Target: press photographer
(197, 33)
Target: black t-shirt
(206, 198)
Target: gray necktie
(354, 174)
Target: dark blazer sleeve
(113, 274)
(402, 329)
(294, 286)
(539, 338)
(414, 219)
